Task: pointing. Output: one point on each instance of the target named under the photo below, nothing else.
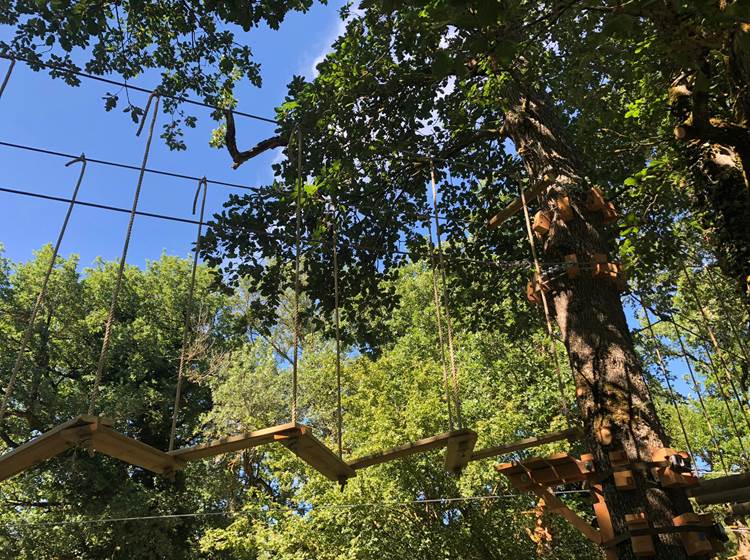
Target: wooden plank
(308, 448)
(516, 205)
(106, 440)
(237, 442)
(458, 451)
(44, 446)
(570, 435)
(407, 449)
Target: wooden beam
(572, 434)
(106, 440)
(237, 442)
(313, 452)
(407, 449)
(724, 497)
(516, 205)
(555, 505)
(721, 484)
(458, 451)
(47, 445)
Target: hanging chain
(550, 331)
(446, 301)
(121, 270)
(202, 185)
(43, 291)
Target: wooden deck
(91, 432)
(457, 441)
(560, 468)
(723, 490)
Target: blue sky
(38, 111)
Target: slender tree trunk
(610, 386)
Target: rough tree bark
(610, 386)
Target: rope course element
(697, 389)
(446, 303)
(693, 289)
(182, 99)
(123, 257)
(545, 305)
(6, 79)
(42, 292)
(126, 166)
(672, 396)
(202, 186)
(297, 285)
(337, 324)
(732, 327)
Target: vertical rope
(439, 320)
(43, 291)
(665, 374)
(446, 302)
(707, 325)
(298, 211)
(732, 326)
(7, 76)
(545, 304)
(121, 270)
(202, 184)
(337, 320)
(697, 389)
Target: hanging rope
(7, 76)
(121, 270)
(337, 320)
(43, 291)
(446, 302)
(439, 321)
(725, 310)
(672, 396)
(696, 388)
(693, 289)
(202, 185)
(550, 331)
(298, 235)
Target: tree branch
(230, 139)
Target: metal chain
(121, 270)
(42, 292)
(202, 185)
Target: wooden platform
(296, 437)
(460, 444)
(90, 432)
(544, 471)
(572, 434)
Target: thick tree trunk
(610, 386)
